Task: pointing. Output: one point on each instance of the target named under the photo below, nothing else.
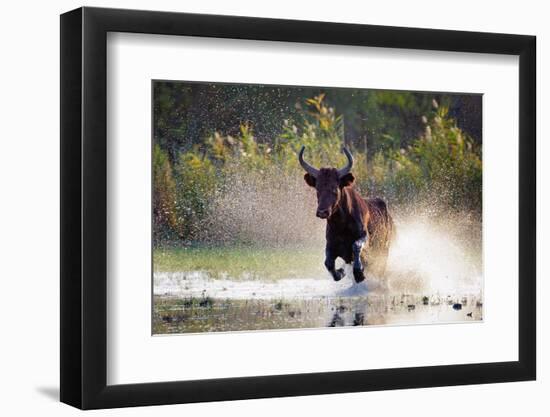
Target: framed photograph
(257, 208)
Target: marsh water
(268, 306)
(432, 278)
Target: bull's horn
(309, 169)
(347, 168)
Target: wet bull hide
(358, 230)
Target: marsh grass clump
(440, 170)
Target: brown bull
(358, 230)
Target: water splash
(435, 258)
(199, 284)
(269, 208)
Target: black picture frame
(84, 207)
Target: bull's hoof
(359, 275)
(338, 274)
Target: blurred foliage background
(225, 156)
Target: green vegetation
(234, 261)
(235, 185)
(442, 167)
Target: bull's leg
(330, 259)
(358, 267)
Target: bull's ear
(310, 180)
(346, 180)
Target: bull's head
(328, 182)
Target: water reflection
(353, 315)
(174, 315)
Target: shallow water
(191, 303)
(433, 276)
(173, 315)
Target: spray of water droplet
(435, 258)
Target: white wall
(29, 237)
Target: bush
(442, 168)
(195, 189)
(165, 221)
